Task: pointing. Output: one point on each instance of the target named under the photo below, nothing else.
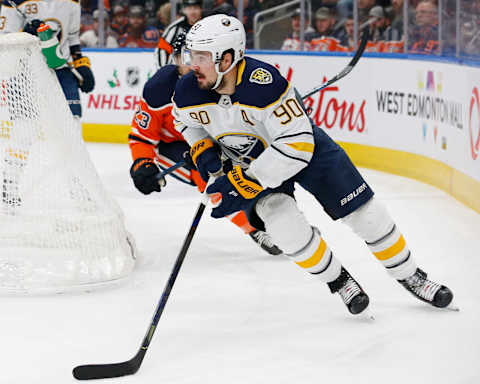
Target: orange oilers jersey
(327, 44)
(153, 121)
(393, 47)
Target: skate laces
(263, 238)
(421, 286)
(349, 290)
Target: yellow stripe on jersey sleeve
(304, 147)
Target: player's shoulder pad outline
(188, 94)
(158, 90)
(261, 84)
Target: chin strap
(221, 74)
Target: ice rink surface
(237, 315)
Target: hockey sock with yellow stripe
(375, 226)
(292, 233)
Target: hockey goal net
(59, 229)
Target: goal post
(59, 228)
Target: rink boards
(406, 116)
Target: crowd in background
(329, 26)
(332, 27)
(140, 23)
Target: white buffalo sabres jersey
(262, 126)
(63, 16)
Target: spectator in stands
(364, 7)
(151, 7)
(346, 37)
(378, 24)
(163, 17)
(424, 37)
(292, 41)
(90, 38)
(138, 34)
(324, 23)
(119, 22)
(324, 38)
(394, 31)
(86, 15)
(470, 29)
(344, 8)
(248, 14)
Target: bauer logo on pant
(354, 194)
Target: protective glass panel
(469, 29)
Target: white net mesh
(59, 229)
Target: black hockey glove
(143, 172)
(206, 158)
(32, 26)
(82, 65)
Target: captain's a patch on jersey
(261, 76)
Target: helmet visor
(199, 58)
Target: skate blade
(452, 307)
(367, 314)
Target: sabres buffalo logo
(242, 148)
(261, 76)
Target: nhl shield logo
(261, 76)
(133, 76)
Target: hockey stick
(345, 71)
(17, 9)
(129, 367)
(172, 169)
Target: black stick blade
(107, 371)
(104, 371)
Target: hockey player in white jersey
(253, 113)
(63, 17)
